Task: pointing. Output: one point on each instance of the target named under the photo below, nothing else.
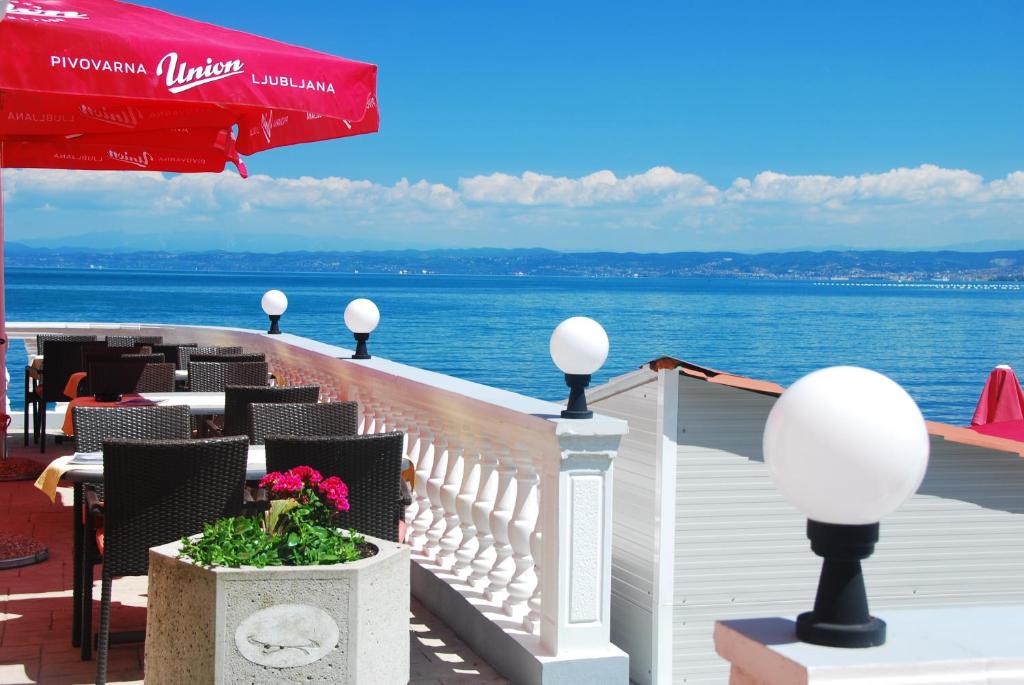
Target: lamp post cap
(362, 315)
(846, 445)
(579, 346)
(274, 302)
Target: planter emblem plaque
(286, 635)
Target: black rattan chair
(129, 376)
(93, 425)
(371, 466)
(229, 358)
(185, 352)
(148, 357)
(157, 492)
(215, 376)
(32, 376)
(332, 418)
(133, 340)
(170, 351)
(63, 358)
(237, 399)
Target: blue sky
(662, 126)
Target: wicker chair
(185, 352)
(214, 376)
(237, 399)
(63, 358)
(32, 399)
(371, 466)
(229, 358)
(170, 351)
(127, 376)
(93, 425)
(133, 340)
(157, 492)
(148, 357)
(332, 418)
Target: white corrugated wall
(635, 399)
(741, 550)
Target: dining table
(199, 403)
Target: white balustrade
(468, 543)
(450, 534)
(522, 525)
(501, 516)
(486, 494)
(424, 465)
(434, 483)
(511, 507)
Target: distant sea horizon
(939, 340)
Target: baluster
(451, 533)
(434, 483)
(501, 572)
(424, 464)
(524, 522)
(531, 623)
(464, 505)
(483, 560)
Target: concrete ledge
(498, 639)
(962, 645)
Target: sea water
(937, 340)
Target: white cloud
(602, 187)
(659, 209)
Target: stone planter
(344, 623)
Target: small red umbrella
(1001, 400)
(100, 84)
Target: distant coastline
(946, 265)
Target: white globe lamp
(579, 347)
(274, 304)
(361, 317)
(846, 446)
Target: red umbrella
(100, 84)
(1001, 400)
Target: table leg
(79, 532)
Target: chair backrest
(237, 399)
(156, 492)
(170, 352)
(225, 358)
(63, 358)
(185, 352)
(130, 375)
(133, 340)
(332, 418)
(215, 376)
(148, 357)
(93, 425)
(44, 338)
(370, 465)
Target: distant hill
(946, 264)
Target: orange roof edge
(958, 434)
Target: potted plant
(285, 596)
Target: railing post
(576, 522)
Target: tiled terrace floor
(35, 606)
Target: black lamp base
(841, 617)
(809, 628)
(361, 352)
(577, 405)
(275, 319)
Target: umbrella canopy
(1001, 400)
(100, 84)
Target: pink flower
(282, 483)
(309, 475)
(336, 492)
